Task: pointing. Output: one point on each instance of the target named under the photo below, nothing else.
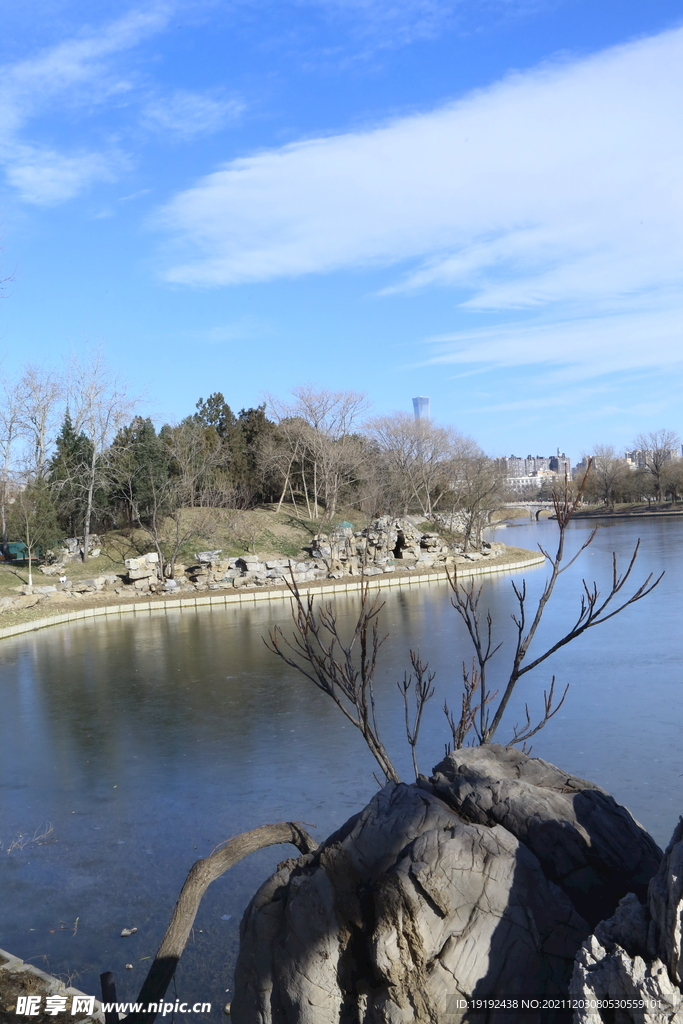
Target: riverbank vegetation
(77, 461)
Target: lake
(144, 743)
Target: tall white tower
(421, 407)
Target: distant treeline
(77, 460)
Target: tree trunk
(88, 506)
(289, 469)
(201, 875)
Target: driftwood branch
(201, 875)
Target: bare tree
(423, 692)
(608, 474)
(654, 450)
(285, 454)
(10, 433)
(40, 394)
(195, 458)
(332, 416)
(100, 403)
(34, 519)
(474, 491)
(319, 443)
(169, 483)
(421, 458)
(672, 479)
(345, 669)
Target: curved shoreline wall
(256, 596)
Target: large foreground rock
(483, 880)
(637, 955)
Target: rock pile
(382, 547)
(637, 954)
(388, 541)
(251, 570)
(71, 552)
(481, 881)
(143, 571)
(68, 590)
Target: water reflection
(147, 741)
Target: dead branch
(344, 670)
(201, 875)
(471, 680)
(424, 691)
(593, 611)
(527, 731)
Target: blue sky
(475, 200)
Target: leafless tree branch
(344, 670)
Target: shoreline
(278, 593)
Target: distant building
(527, 475)
(421, 407)
(638, 458)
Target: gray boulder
(587, 843)
(465, 884)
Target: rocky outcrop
(63, 590)
(465, 884)
(389, 543)
(382, 547)
(586, 842)
(636, 956)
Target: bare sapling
(342, 669)
(461, 727)
(423, 691)
(594, 609)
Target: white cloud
(76, 71)
(574, 348)
(45, 177)
(557, 186)
(248, 327)
(74, 62)
(188, 114)
(134, 195)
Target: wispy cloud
(572, 349)
(555, 193)
(188, 114)
(134, 195)
(246, 328)
(392, 23)
(43, 176)
(76, 71)
(551, 185)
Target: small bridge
(534, 508)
